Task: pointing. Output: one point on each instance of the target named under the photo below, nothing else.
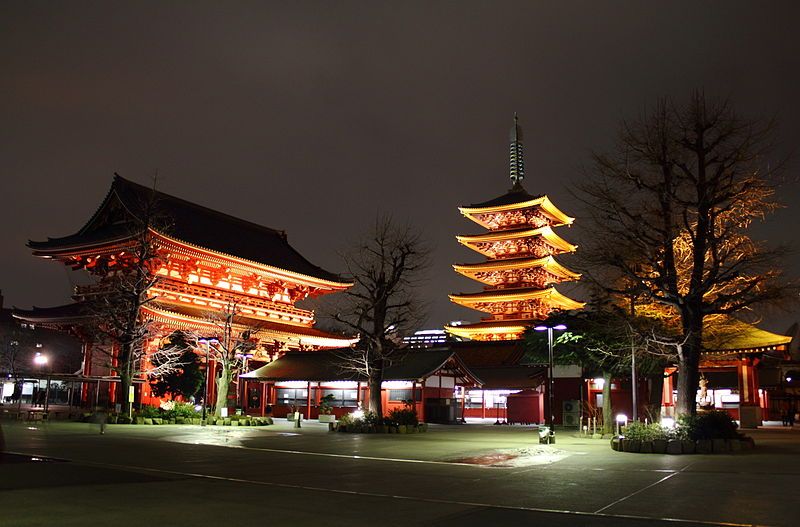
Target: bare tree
(116, 300)
(229, 341)
(387, 266)
(670, 210)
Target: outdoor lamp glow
(668, 422)
(622, 418)
(599, 382)
(40, 359)
(358, 414)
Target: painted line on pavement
(420, 499)
(620, 500)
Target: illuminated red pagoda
(520, 271)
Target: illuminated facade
(520, 271)
(204, 264)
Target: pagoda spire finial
(516, 161)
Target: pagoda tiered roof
(484, 271)
(515, 199)
(500, 296)
(189, 318)
(489, 243)
(188, 223)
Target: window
(292, 396)
(404, 395)
(344, 398)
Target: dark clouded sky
(313, 116)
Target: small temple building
(520, 271)
(204, 263)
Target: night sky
(313, 116)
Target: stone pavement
(185, 475)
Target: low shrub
(638, 431)
(707, 425)
(168, 410)
(148, 411)
(403, 416)
(369, 419)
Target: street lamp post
(40, 360)
(550, 417)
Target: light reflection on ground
(516, 457)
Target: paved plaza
(278, 475)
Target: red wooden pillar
(263, 397)
(541, 407)
(748, 382)
(88, 353)
(667, 394)
(749, 403)
(421, 411)
(483, 404)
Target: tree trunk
(223, 385)
(654, 397)
(375, 402)
(608, 412)
(124, 388)
(689, 370)
(125, 371)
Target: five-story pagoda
(520, 270)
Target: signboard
(130, 394)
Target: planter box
(735, 445)
(423, 427)
(721, 446)
(688, 447)
(647, 447)
(148, 420)
(234, 422)
(616, 444)
(327, 418)
(674, 446)
(704, 446)
(631, 445)
(659, 446)
(402, 429)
